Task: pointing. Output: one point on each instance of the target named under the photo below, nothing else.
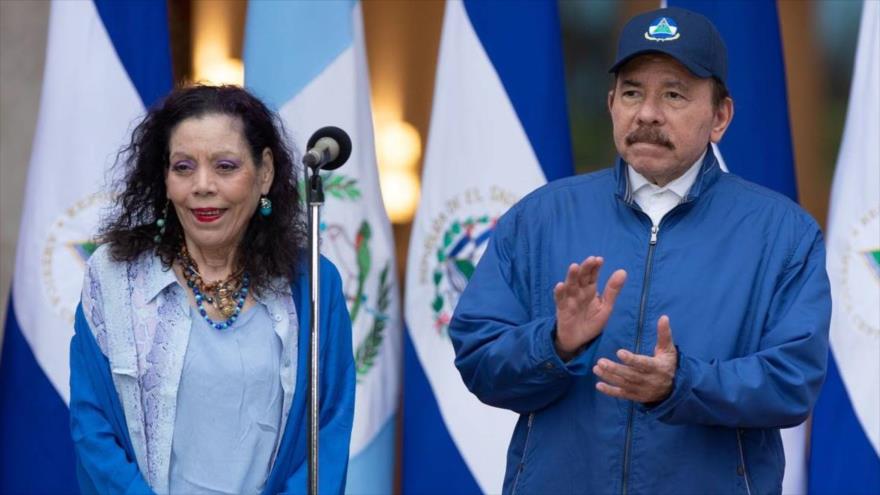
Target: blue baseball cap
(684, 35)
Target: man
(710, 335)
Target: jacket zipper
(655, 229)
(742, 460)
(522, 462)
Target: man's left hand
(641, 378)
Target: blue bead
(160, 222)
(203, 312)
(218, 326)
(199, 297)
(266, 211)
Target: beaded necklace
(228, 296)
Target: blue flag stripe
(757, 146)
(37, 451)
(324, 27)
(837, 434)
(522, 39)
(139, 32)
(432, 461)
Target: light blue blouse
(229, 406)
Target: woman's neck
(214, 263)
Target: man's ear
(722, 119)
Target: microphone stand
(329, 147)
(315, 196)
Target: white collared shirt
(657, 201)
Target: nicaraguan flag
(308, 60)
(757, 146)
(499, 129)
(105, 61)
(845, 452)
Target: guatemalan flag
(307, 59)
(499, 129)
(105, 62)
(845, 454)
(757, 146)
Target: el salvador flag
(757, 146)
(845, 453)
(499, 129)
(308, 60)
(105, 61)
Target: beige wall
(23, 25)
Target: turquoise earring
(160, 224)
(265, 206)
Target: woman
(189, 361)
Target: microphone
(328, 148)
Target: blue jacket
(105, 457)
(739, 269)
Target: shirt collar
(679, 186)
(157, 275)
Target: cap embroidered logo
(662, 29)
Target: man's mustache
(650, 135)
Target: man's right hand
(581, 312)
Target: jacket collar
(708, 175)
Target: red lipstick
(207, 215)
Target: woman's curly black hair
(272, 246)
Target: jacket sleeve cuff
(551, 363)
(681, 388)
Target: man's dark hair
(272, 246)
(719, 92)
